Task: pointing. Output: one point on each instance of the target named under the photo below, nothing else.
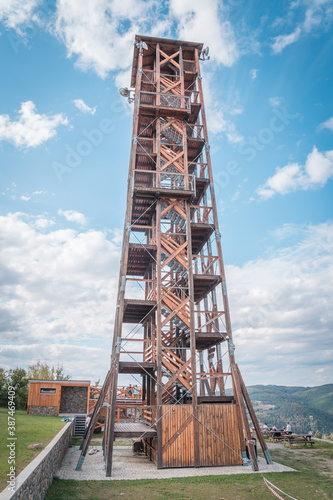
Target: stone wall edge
(29, 470)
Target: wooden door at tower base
(219, 435)
(177, 436)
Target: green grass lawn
(313, 480)
(30, 429)
(234, 487)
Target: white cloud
(318, 17)
(217, 110)
(253, 73)
(30, 129)
(205, 22)
(328, 124)
(318, 13)
(81, 362)
(43, 223)
(96, 35)
(36, 193)
(287, 230)
(123, 79)
(218, 123)
(82, 106)
(59, 291)
(25, 198)
(99, 34)
(232, 104)
(318, 169)
(58, 287)
(279, 305)
(14, 13)
(275, 101)
(282, 41)
(73, 216)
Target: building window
(47, 390)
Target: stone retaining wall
(33, 482)
(43, 410)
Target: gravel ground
(129, 465)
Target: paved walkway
(129, 465)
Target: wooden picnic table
(274, 435)
(286, 437)
(298, 439)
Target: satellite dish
(204, 54)
(142, 45)
(129, 93)
(124, 91)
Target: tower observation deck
(172, 329)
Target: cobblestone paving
(128, 465)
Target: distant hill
(279, 404)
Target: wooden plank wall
(37, 399)
(222, 420)
(217, 429)
(177, 449)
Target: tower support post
(172, 285)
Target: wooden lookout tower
(172, 323)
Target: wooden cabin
(51, 397)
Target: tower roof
(153, 40)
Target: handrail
(164, 180)
(164, 99)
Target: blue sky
(64, 145)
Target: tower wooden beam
(182, 316)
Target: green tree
(318, 435)
(17, 379)
(42, 371)
(3, 388)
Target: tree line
(18, 378)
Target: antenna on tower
(141, 46)
(126, 92)
(204, 54)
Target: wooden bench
(278, 439)
(298, 439)
(276, 436)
